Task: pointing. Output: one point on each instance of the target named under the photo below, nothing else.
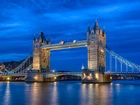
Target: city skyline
(68, 21)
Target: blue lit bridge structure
(130, 68)
(118, 65)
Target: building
(96, 55)
(41, 57)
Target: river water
(69, 93)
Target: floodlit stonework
(96, 55)
(41, 57)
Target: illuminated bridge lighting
(66, 45)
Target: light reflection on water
(7, 94)
(68, 93)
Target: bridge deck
(55, 74)
(66, 45)
(18, 74)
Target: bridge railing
(122, 60)
(19, 67)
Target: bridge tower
(41, 57)
(96, 55)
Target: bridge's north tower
(96, 55)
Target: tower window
(100, 41)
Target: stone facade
(96, 55)
(41, 57)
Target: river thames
(68, 93)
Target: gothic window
(100, 41)
(92, 38)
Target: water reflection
(54, 94)
(35, 94)
(95, 94)
(6, 99)
(68, 93)
(43, 93)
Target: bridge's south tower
(41, 57)
(96, 55)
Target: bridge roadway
(46, 75)
(16, 74)
(56, 74)
(67, 45)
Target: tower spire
(96, 26)
(42, 37)
(104, 30)
(88, 29)
(49, 40)
(34, 37)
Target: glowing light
(97, 76)
(96, 85)
(8, 78)
(84, 75)
(34, 82)
(35, 77)
(85, 45)
(61, 42)
(110, 77)
(53, 71)
(102, 50)
(90, 75)
(54, 77)
(74, 41)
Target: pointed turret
(49, 40)
(104, 32)
(88, 29)
(96, 26)
(34, 37)
(42, 36)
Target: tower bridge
(97, 49)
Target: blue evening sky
(68, 20)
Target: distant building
(2, 66)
